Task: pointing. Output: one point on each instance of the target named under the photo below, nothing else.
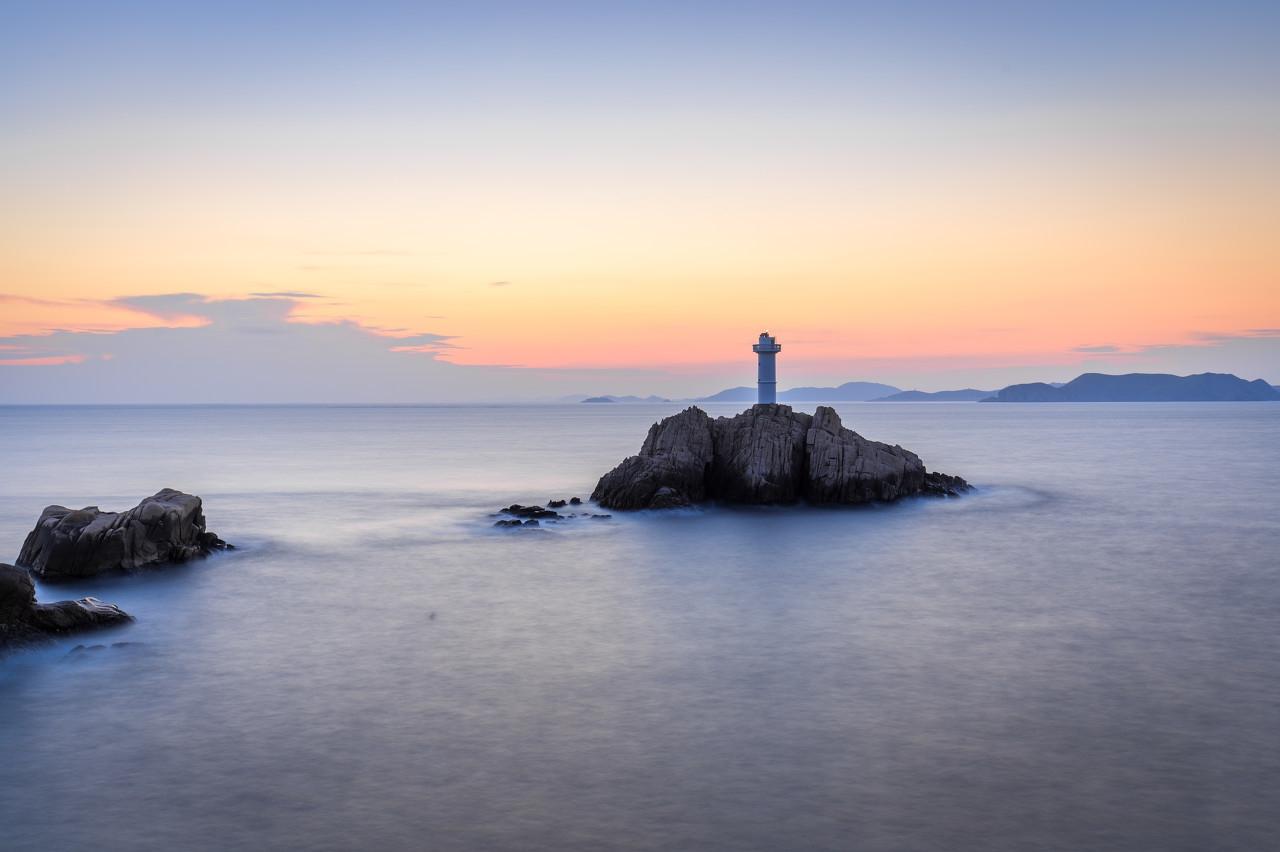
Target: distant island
(966, 395)
(1088, 387)
(1142, 387)
(847, 392)
(650, 398)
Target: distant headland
(1088, 387)
(1142, 387)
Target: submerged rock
(518, 511)
(167, 527)
(532, 517)
(22, 620)
(768, 454)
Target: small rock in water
(535, 516)
(519, 511)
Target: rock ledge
(23, 621)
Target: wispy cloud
(499, 283)
(362, 253)
(1099, 349)
(247, 349)
(12, 299)
(167, 306)
(424, 343)
(287, 294)
(1211, 337)
(43, 361)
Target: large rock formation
(768, 454)
(23, 620)
(168, 527)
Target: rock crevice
(767, 454)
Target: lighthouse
(766, 351)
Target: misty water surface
(1081, 655)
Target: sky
(383, 202)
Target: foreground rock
(168, 527)
(22, 620)
(768, 454)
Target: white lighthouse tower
(767, 376)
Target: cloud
(499, 283)
(45, 361)
(427, 343)
(362, 253)
(166, 306)
(256, 350)
(1211, 337)
(30, 300)
(247, 350)
(287, 294)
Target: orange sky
(986, 266)
(884, 211)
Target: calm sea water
(1081, 655)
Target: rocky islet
(768, 454)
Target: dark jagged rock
(557, 504)
(575, 501)
(671, 469)
(941, 485)
(22, 620)
(769, 454)
(168, 527)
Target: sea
(1082, 654)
